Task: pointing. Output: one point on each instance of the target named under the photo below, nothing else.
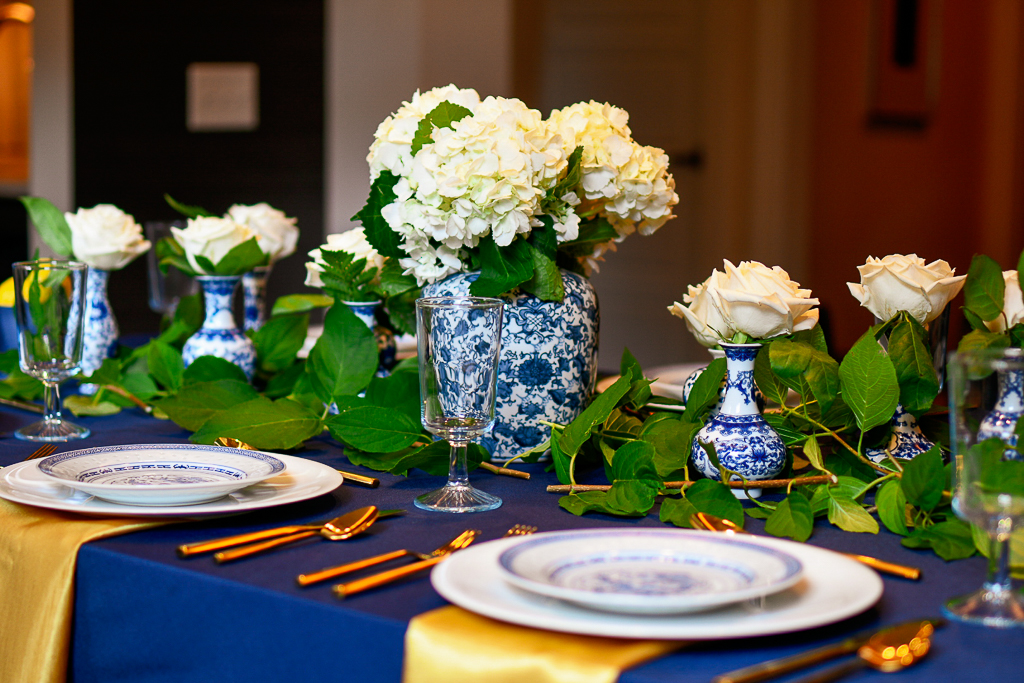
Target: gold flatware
(887, 651)
(702, 520)
(343, 590)
(192, 549)
(786, 665)
(42, 452)
(23, 405)
(332, 572)
(370, 482)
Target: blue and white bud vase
(743, 441)
(386, 345)
(219, 336)
(1002, 421)
(254, 289)
(99, 336)
(548, 364)
(907, 440)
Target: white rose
(210, 237)
(904, 283)
(763, 302)
(278, 234)
(351, 241)
(702, 316)
(1013, 304)
(105, 237)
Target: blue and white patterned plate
(647, 571)
(160, 474)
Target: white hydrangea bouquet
(460, 184)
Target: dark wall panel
(131, 142)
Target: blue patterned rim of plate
(262, 465)
(647, 571)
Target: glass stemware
(459, 339)
(50, 304)
(989, 477)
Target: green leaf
(984, 288)
(400, 391)
(677, 511)
(241, 258)
(264, 424)
(502, 269)
(197, 402)
(140, 384)
(814, 336)
(378, 233)
(635, 481)
(790, 435)
(757, 513)
(546, 283)
(892, 507)
(166, 366)
(561, 461)
(579, 430)
(923, 479)
(848, 515)
(300, 303)
(109, 372)
(83, 406)
(170, 253)
(572, 178)
(441, 116)
(279, 341)
(211, 369)
(374, 429)
(672, 440)
(715, 498)
(344, 358)
(980, 340)
(812, 451)
(973, 319)
(704, 392)
(432, 459)
(393, 280)
(792, 518)
(593, 232)
(185, 209)
(773, 389)
(50, 224)
(283, 383)
(912, 360)
(868, 382)
(950, 539)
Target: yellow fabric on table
(38, 549)
(451, 645)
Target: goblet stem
(51, 402)
(458, 471)
(996, 603)
(998, 579)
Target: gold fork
(43, 451)
(343, 590)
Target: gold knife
(784, 665)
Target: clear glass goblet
(459, 339)
(988, 473)
(49, 304)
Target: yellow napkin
(451, 645)
(38, 549)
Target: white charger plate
(647, 571)
(303, 479)
(833, 588)
(160, 474)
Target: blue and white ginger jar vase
(99, 336)
(219, 336)
(1002, 420)
(743, 441)
(254, 291)
(548, 364)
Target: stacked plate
(657, 583)
(164, 480)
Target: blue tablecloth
(144, 615)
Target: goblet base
(52, 430)
(992, 605)
(457, 498)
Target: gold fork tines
(43, 451)
(521, 530)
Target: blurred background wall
(804, 133)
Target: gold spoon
(702, 520)
(887, 651)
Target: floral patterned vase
(219, 336)
(715, 409)
(99, 339)
(548, 365)
(386, 346)
(254, 289)
(907, 440)
(743, 441)
(1001, 422)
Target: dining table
(142, 614)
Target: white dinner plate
(833, 588)
(303, 479)
(647, 571)
(160, 474)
